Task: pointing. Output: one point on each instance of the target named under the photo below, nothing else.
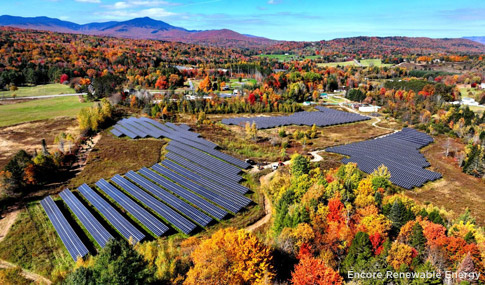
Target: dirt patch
(6, 222)
(112, 155)
(28, 136)
(456, 191)
(26, 274)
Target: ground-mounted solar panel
(399, 152)
(69, 238)
(219, 187)
(183, 207)
(222, 201)
(92, 225)
(163, 210)
(322, 118)
(218, 154)
(116, 132)
(125, 124)
(125, 131)
(142, 215)
(126, 229)
(203, 159)
(231, 180)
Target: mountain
(476, 39)
(139, 28)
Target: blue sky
(279, 19)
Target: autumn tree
(311, 270)
(231, 256)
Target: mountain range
(148, 28)
(139, 28)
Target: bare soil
(28, 136)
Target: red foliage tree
(377, 243)
(64, 78)
(311, 270)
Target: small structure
(482, 86)
(369, 109)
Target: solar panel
(322, 118)
(209, 195)
(163, 210)
(126, 229)
(69, 238)
(142, 215)
(231, 180)
(92, 225)
(218, 187)
(399, 152)
(186, 209)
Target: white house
(482, 85)
(369, 109)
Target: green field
(41, 109)
(39, 90)
(468, 92)
(364, 62)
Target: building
(482, 85)
(369, 109)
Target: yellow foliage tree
(400, 254)
(231, 256)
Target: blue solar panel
(163, 210)
(186, 209)
(217, 187)
(116, 219)
(206, 193)
(71, 241)
(323, 117)
(231, 180)
(399, 152)
(142, 215)
(97, 231)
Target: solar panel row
(322, 118)
(163, 210)
(126, 229)
(183, 173)
(92, 225)
(71, 241)
(399, 152)
(142, 215)
(209, 195)
(186, 209)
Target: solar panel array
(323, 117)
(399, 152)
(73, 243)
(194, 185)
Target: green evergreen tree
(360, 252)
(417, 239)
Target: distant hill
(476, 39)
(372, 47)
(147, 28)
(139, 28)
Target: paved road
(43, 96)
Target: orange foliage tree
(231, 256)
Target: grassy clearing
(41, 109)
(456, 191)
(113, 155)
(33, 244)
(364, 62)
(39, 90)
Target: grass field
(113, 155)
(39, 90)
(42, 109)
(33, 244)
(456, 191)
(364, 62)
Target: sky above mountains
(278, 19)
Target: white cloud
(89, 1)
(140, 3)
(156, 13)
